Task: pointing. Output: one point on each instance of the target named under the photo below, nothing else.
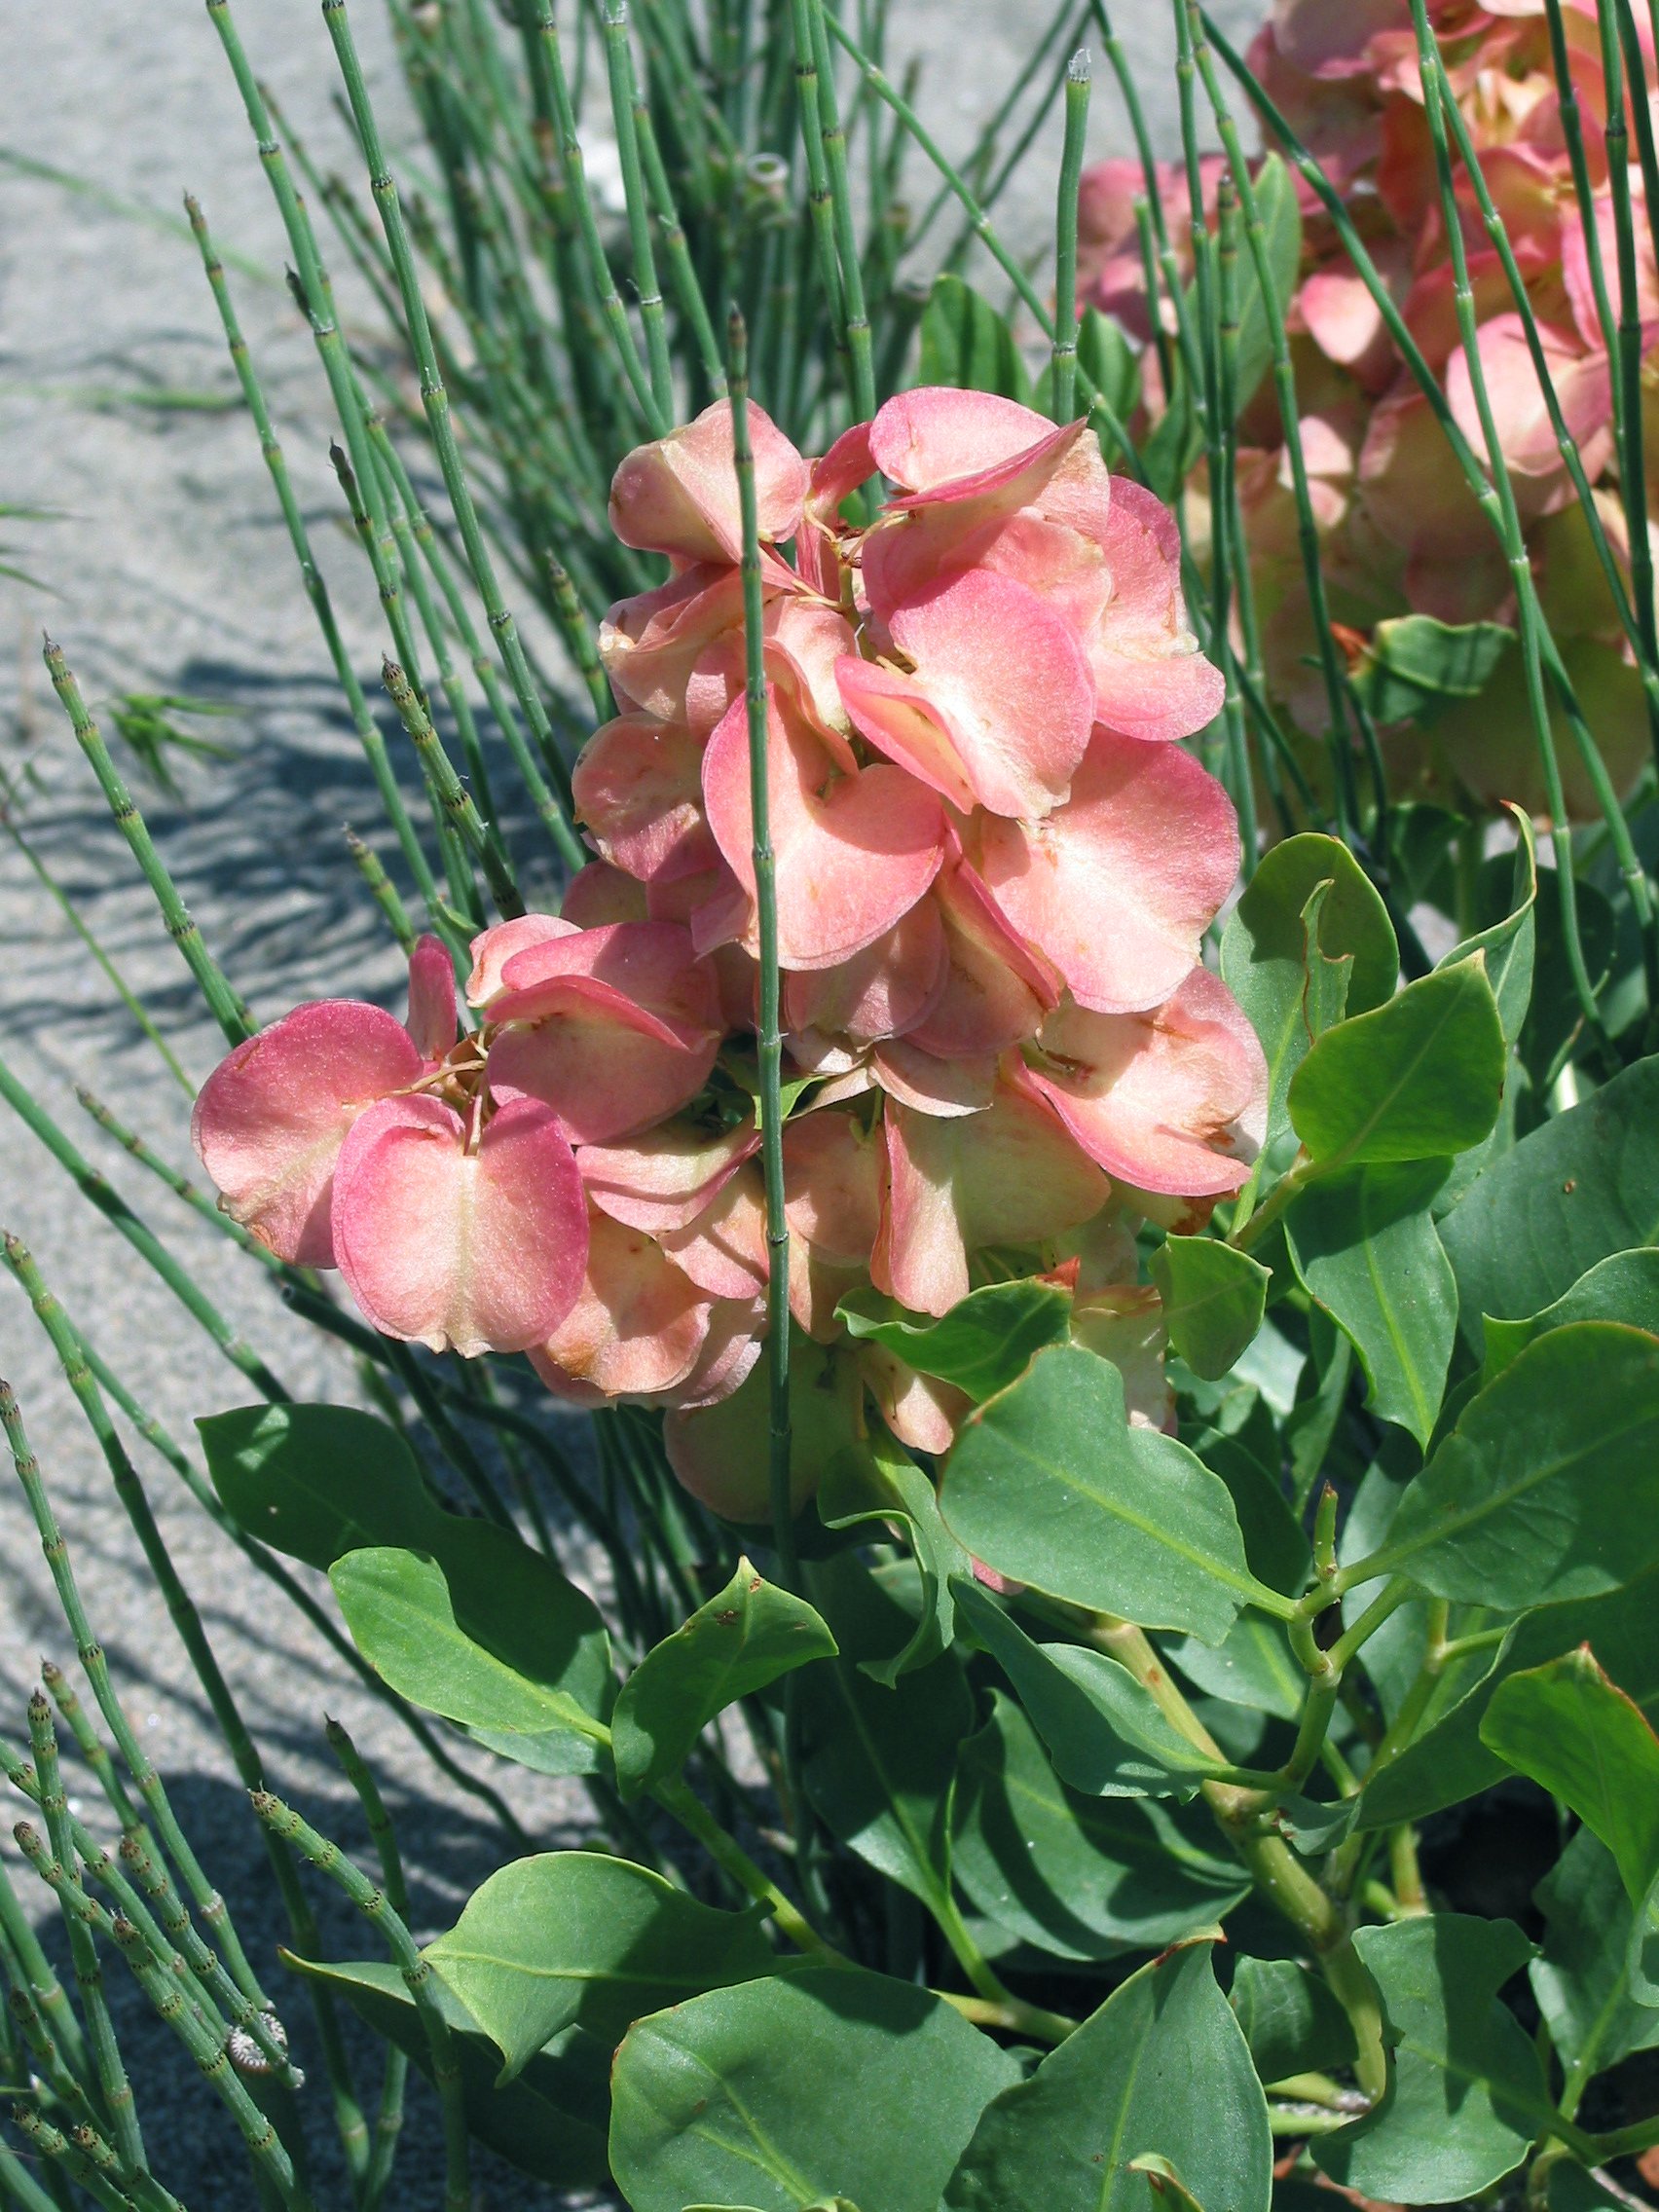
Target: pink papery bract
(999, 710)
(678, 494)
(882, 991)
(1172, 1099)
(1117, 886)
(637, 1328)
(1009, 1175)
(270, 1119)
(464, 1250)
(665, 1177)
(432, 1022)
(1150, 679)
(492, 949)
(638, 787)
(615, 1029)
(853, 852)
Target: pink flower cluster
(994, 869)
(1400, 531)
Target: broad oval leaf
(1414, 665)
(1577, 1735)
(1447, 1760)
(1623, 1288)
(1049, 1484)
(397, 1606)
(1263, 950)
(1291, 2021)
(1161, 2068)
(1548, 1487)
(747, 1634)
(576, 1938)
(1363, 1243)
(1080, 1877)
(549, 2120)
(828, 2082)
(1105, 1734)
(878, 1763)
(885, 1484)
(1213, 1301)
(1581, 1975)
(1581, 1188)
(983, 1343)
(319, 1480)
(1466, 2093)
(1420, 1078)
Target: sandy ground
(167, 570)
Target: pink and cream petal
(1169, 1100)
(1151, 681)
(853, 852)
(882, 991)
(492, 949)
(638, 789)
(723, 1250)
(921, 1411)
(667, 1176)
(431, 1021)
(1117, 886)
(997, 987)
(833, 1178)
(598, 895)
(638, 1327)
(678, 494)
(999, 710)
(270, 1121)
(469, 1251)
(1010, 1175)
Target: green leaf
(828, 2082)
(1281, 223)
(748, 1634)
(576, 1938)
(1079, 1877)
(1467, 2092)
(1276, 1549)
(1106, 356)
(1447, 1761)
(397, 1608)
(1548, 1487)
(1415, 666)
(1579, 1736)
(980, 1346)
(1324, 1003)
(1213, 1301)
(1510, 943)
(1049, 1484)
(1623, 1288)
(967, 343)
(319, 1480)
(1264, 950)
(1420, 1078)
(885, 1484)
(878, 1763)
(1253, 1667)
(1581, 1188)
(1104, 1732)
(1291, 2021)
(549, 2120)
(1363, 1243)
(1581, 1975)
(1161, 2068)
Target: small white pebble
(152, 1720)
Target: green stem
(620, 68)
(1064, 352)
(856, 322)
(226, 1007)
(113, 2085)
(377, 1908)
